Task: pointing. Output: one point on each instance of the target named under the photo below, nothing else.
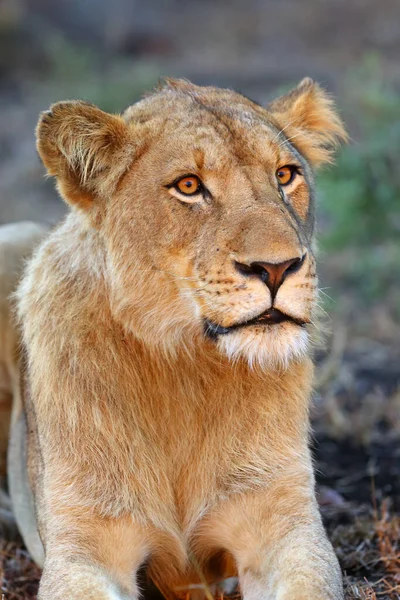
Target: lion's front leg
(278, 541)
(90, 558)
(64, 579)
(301, 566)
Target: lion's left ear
(307, 115)
(86, 149)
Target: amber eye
(285, 175)
(189, 185)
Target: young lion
(16, 243)
(166, 324)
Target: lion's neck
(202, 379)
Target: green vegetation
(76, 71)
(360, 196)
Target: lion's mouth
(272, 316)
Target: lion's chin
(269, 347)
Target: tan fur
(16, 244)
(148, 441)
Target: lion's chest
(172, 468)
(169, 453)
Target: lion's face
(206, 210)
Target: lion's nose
(272, 274)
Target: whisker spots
(304, 286)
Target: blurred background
(111, 52)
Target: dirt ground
(55, 50)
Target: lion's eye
(189, 185)
(286, 174)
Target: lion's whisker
(284, 128)
(321, 290)
(289, 139)
(322, 310)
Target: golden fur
(149, 442)
(17, 241)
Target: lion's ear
(307, 115)
(86, 149)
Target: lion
(166, 361)
(17, 241)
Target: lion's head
(204, 202)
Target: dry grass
(18, 574)
(369, 552)
(360, 592)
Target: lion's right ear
(86, 149)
